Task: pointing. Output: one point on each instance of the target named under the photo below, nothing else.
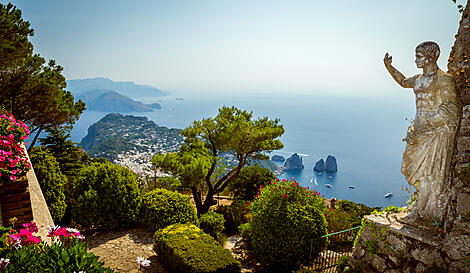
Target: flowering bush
(285, 219)
(21, 251)
(13, 160)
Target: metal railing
(339, 244)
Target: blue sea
(363, 133)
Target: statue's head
(426, 52)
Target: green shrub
(161, 208)
(339, 220)
(236, 214)
(212, 223)
(51, 180)
(356, 211)
(167, 182)
(286, 218)
(245, 232)
(342, 263)
(106, 196)
(185, 248)
(247, 183)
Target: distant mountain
(129, 139)
(129, 89)
(111, 101)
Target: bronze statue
(430, 138)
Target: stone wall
(386, 245)
(26, 202)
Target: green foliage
(31, 89)
(231, 131)
(338, 220)
(70, 157)
(167, 182)
(357, 211)
(247, 183)
(106, 195)
(236, 214)
(392, 209)
(245, 232)
(212, 223)
(161, 208)
(185, 248)
(51, 180)
(286, 218)
(54, 258)
(14, 33)
(342, 263)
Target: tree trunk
(197, 199)
(208, 202)
(458, 186)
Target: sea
(364, 133)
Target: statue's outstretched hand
(387, 59)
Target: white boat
(388, 195)
(320, 173)
(352, 187)
(329, 177)
(328, 185)
(315, 181)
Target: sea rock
(330, 164)
(278, 158)
(294, 163)
(319, 166)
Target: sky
(262, 46)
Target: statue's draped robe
(427, 155)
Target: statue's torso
(426, 89)
(430, 93)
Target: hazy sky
(241, 46)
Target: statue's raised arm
(397, 75)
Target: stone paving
(120, 249)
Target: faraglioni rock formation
(319, 166)
(294, 163)
(278, 158)
(330, 164)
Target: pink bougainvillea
(13, 160)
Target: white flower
(143, 262)
(72, 230)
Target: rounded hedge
(285, 219)
(246, 184)
(106, 195)
(51, 180)
(161, 208)
(212, 223)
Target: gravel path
(120, 249)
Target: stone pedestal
(387, 245)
